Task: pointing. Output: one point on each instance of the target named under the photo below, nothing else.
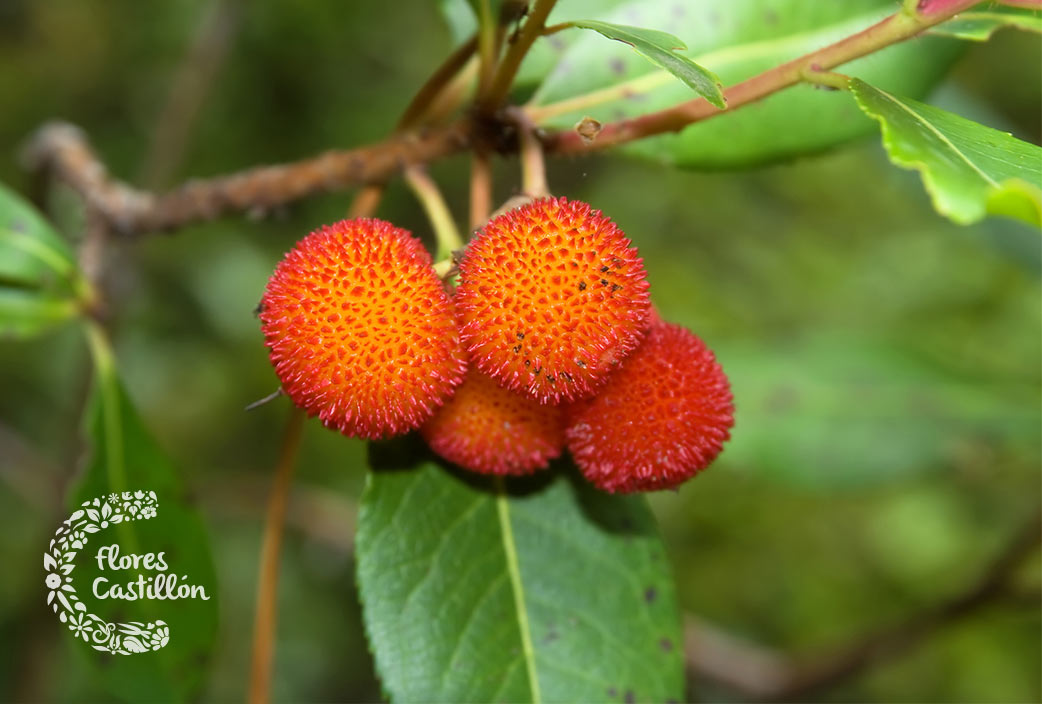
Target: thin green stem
(508, 67)
(486, 46)
(827, 79)
(445, 231)
(427, 96)
(266, 613)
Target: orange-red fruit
(551, 297)
(662, 417)
(489, 429)
(360, 329)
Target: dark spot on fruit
(666, 644)
(520, 336)
(567, 376)
(615, 287)
(528, 362)
(582, 285)
(604, 282)
(581, 364)
(604, 269)
(537, 371)
(517, 348)
(650, 594)
(629, 697)
(551, 378)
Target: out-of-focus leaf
(124, 457)
(736, 40)
(829, 411)
(969, 170)
(660, 48)
(31, 252)
(547, 590)
(978, 26)
(26, 313)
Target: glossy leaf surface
(969, 170)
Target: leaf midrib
(517, 588)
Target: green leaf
(736, 40)
(660, 49)
(969, 170)
(25, 313)
(843, 410)
(31, 252)
(124, 457)
(545, 591)
(978, 26)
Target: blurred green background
(885, 363)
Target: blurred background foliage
(885, 362)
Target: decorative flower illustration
(81, 625)
(71, 537)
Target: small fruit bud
(360, 329)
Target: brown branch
(892, 30)
(764, 674)
(508, 67)
(266, 613)
(63, 150)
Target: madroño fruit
(360, 329)
(662, 417)
(489, 429)
(551, 298)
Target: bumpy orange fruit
(551, 298)
(489, 429)
(360, 329)
(662, 417)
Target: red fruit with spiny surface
(489, 429)
(662, 417)
(360, 329)
(551, 298)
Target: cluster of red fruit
(548, 341)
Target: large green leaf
(735, 40)
(969, 170)
(979, 25)
(546, 590)
(124, 457)
(660, 48)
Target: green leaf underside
(979, 26)
(544, 591)
(31, 251)
(736, 40)
(968, 169)
(27, 313)
(659, 48)
(124, 457)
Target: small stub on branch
(588, 128)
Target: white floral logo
(70, 539)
